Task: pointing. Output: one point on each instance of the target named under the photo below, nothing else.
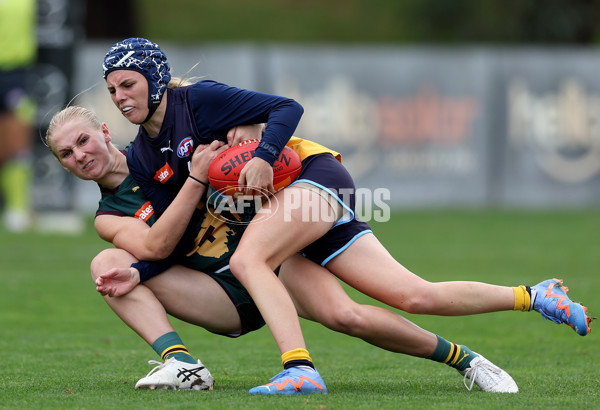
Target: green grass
(276, 21)
(63, 348)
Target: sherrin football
(224, 171)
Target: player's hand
(203, 156)
(244, 132)
(257, 175)
(118, 281)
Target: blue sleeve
(149, 269)
(218, 107)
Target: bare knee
(99, 262)
(108, 259)
(419, 301)
(349, 320)
(238, 266)
(243, 263)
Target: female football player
(172, 115)
(214, 300)
(172, 122)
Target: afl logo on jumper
(185, 147)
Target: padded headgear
(145, 57)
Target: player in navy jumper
(200, 289)
(137, 76)
(82, 145)
(174, 121)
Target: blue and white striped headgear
(145, 57)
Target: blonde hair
(71, 113)
(177, 82)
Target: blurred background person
(18, 50)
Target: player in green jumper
(83, 146)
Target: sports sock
(295, 358)
(522, 298)
(170, 345)
(457, 356)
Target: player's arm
(244, 132)
(136, 237)
(217, 106)
(140, 240)
(159, 241)
(160, 198)
(168, 230)
(125, 232)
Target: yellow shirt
(306, 148)
(18, 41)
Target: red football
(224, 171)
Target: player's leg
(195, 298)
(367, 266)
(139, 309)
(144, 313)
(274, 234)
(319, 296)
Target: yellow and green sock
(457, 356)
(170, 345)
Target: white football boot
(173, 375)
(488, 376)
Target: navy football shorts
(329, 175)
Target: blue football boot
(293, 381)
(552, 302)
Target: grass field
(63, 348)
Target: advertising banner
(427, 126)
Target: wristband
(143, 269)
(197, 180)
